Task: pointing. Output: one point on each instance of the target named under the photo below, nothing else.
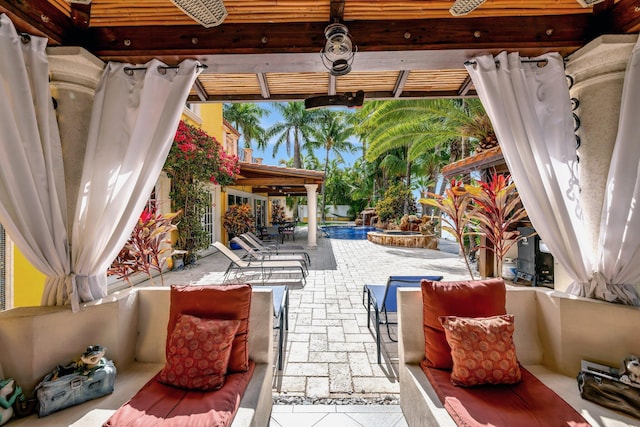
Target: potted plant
(238, 219)
(496, 209)
(489, 209)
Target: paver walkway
(330, 353)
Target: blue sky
(267, 155)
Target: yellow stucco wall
(212, 120)
(28, 281)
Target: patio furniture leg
(378, 334)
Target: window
(207, 220)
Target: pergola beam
(264, 85)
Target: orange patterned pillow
(482, 350)
(198, 353)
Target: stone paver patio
(330, 354)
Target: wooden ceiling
(269, 50)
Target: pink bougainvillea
(197, 156)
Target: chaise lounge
(553, 333)
(132, 325)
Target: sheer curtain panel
(619, 255)
(32, 191)
(134, 119)
(529, 107)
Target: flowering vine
(196, 158)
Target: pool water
(347, 232)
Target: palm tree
(246, 118)
(297, 124)
(332, 134)
(420, 126)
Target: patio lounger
(383, 300)
(273, 244)
(267, 256)
(266, 268)
(278, 250)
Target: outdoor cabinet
(534, 264)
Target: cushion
(160, 405)
(478, 298)
(482, 350)
(528, 403)
(198, 353)
(228, 302)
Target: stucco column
(598, 73)
(74, 76)
(312, 205)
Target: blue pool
(348, 232)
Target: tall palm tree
(332, 134)
(296, 126)
(246, 118)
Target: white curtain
(32, 188)
(531, 113)
(529, 106)
(619, 248)
(134, 118)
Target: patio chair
(383, 300)
(287, 229)
(266, 268)
(279, 250)
(267, 256)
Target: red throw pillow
(230, 302)
(479, 298)
(482, 350)
(198, 353)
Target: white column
(312, 204)
(74, 76)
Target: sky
(267, 155)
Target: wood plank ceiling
(269, 50)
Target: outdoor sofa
(553, 333)
(132, 325)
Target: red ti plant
(496, 208)
(146, 248)
(454, 205)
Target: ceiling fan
(463, 7)
(346, 100)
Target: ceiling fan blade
(463, 7)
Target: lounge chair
(278, 250)
(265, 268)
(273, 244)
(257, 255)
(383, 300)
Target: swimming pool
(347, 232)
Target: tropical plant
(239, 219)
(246, 118)
(454, 206)
(296, 127)
(146, 248)
(496, 208)
(392, 204)
(194, 160)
